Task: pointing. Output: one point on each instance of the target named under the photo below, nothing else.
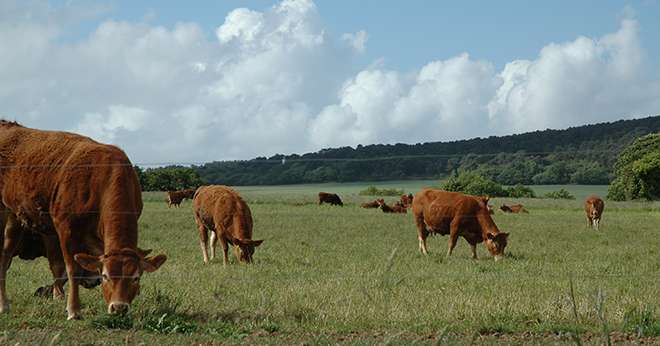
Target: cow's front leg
(225, 249)
(57, 266)
(453, 237)
(67, 245)
(474, 250)
(10, 241)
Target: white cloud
(274, 81)
(357, 40)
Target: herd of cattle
(77, 202)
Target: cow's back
(219, 206)
(439, 208)
(53, 174)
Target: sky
(174, 83)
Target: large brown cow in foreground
(515, 208)
(222, 211)
(82, 193)
(593, 207)
(174, 198)
(331, 198)
(456, 214)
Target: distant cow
(372, 205)
(406, 200)
(593, 207)
(515, 208)
(84, 194)
(397, 208)
(174, 198)
(456, 214)
(220, 210)
(331, 198)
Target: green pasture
(327, 275)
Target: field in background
(343, 274)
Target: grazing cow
(406, 200)
(594, 206)
(372, 205)
(85, 195)
(331, 198)
(456, 214)
(222, 211)
(515, 208)
(174, 198)
(398, 207)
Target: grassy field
(327, 275)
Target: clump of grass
(108, 321)
(374, 191)
(559, 194)
(163, 316)
(641, 321)
(227, 330)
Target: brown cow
(457, 214)
(594, 206)
(81, 192)
(331, 198)
(222, 211)
(398, 207)
(174, 198)
(406, 200)
(515, 208)
(372, 205)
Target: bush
(637, 171)
(520, 191)
(561, 194)
(474, 184)
(374, 191)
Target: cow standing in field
(593, 207)
(84, 198)
(220, 210)
(456, 214)
(373, 204)
(515, 208)
(174, 198)
(331, 198)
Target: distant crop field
(327, 275)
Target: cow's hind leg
(11, 239)
(453, 237)
(214, 243)
(422, 233)
(203, 241)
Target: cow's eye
(136, 279)
(105, 277)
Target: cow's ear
(143, 253)
(88, 262)
(151, 264)
(248, 242)
(504, 235)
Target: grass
(327, 275)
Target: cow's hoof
(74, 316)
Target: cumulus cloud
(274, 81)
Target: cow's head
(244, 249)
(120, 271)
(496, 244)
(593, 211)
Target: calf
(406, 200)
(593, 207)
(398, 208)
(372, 205)
(331, 198)
(456, 214)
(220, 210)
(515, 208)
(174, 198)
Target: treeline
(579, 155)
(168, 178)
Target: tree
(637, 171)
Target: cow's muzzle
(118, 308)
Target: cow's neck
(487, 225)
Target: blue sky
(171, 82)
(407, 34)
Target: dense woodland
(578, 155)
